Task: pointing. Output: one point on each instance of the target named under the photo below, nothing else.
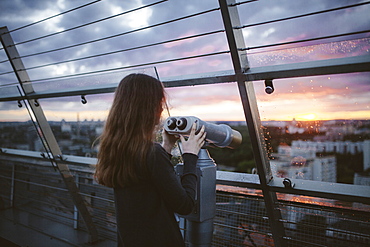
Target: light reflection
(297, 198)
(340, 49)
(307, 116)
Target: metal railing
(29, 184)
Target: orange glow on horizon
(306, 117)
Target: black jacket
(145, 211)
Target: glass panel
(309, 52)
(318, 128)
(268, 24)
(17, 130)
(9, 91)
(7, 76)
(96, 81)
(76, 126)
(128, 42)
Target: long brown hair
(127, 138)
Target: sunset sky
(344, 96)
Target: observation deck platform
(43, 214)
(24, 228)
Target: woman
(146, 189)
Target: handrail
(337, 191)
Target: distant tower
(294, 122)
(78, 125)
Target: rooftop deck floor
(21, 228)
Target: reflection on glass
(9, 91)
(305, 52)
(318, 128)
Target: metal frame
(236, 43)
(281, 71)
(47, 133)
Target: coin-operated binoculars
(199, 224)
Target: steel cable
(304, 40)
(133, 66)
(127, 49)
(50, 17)
(128, 32)
(300, 16)
(90, 23)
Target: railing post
(12, 186)
(75, 209)
(47, 133)
(237, 46)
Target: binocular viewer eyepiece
(220, 135)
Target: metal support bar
(262, 162)
(235, 39)
(280, 71)
(231, 19)
(24, 81)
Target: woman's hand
(168, 141)
(194, 142)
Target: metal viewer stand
(199, 223)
